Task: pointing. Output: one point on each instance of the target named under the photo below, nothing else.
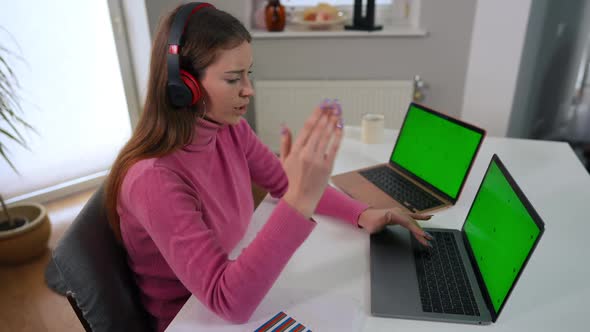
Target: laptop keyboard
(442, 279)
(400, 188)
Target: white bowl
(319, 25)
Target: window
(389, 13)
(72, 93)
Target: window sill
(291, 32)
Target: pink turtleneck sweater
(182, 214)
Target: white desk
(554, 290)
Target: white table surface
(554, 289)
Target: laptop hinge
(410, 176)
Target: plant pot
(28, 241)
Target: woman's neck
(211, 120)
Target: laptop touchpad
(394, 287)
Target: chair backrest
(94, 269)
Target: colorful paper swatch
(281, 322)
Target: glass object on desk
(372, 127)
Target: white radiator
(292, 102)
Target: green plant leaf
(10, 103)
(5, 132)
(3, 153)
(6, 87)
(12, 126)
(10, 72)
(9, 97)
(26, 124)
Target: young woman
(179, 193)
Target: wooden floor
(26, 303)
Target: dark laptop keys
(442, 280)
(400, 189)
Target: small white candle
(372, 128)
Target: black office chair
(90, 267)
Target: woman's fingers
(420, 216)
(422, 240)
(307, 129)
(327, 134)
(334, 146)
(409, 223)
(286, 139)
(316, 133)
(311, 146)
(422, 236)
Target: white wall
(440, 57)
(496, 48)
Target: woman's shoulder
(141, 167)
(151, 170)
(151, 179)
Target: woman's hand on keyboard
(374, 220)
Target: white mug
(372, 126)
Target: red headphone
(183, 89)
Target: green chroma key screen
(501, 233)
(436, 149)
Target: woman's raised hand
(308, 162)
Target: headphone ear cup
(192, 85)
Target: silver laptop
(468, 275)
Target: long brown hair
(163, 129)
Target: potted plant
(24, 227)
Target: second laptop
(428, 166)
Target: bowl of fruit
(321, 17)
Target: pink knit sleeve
(170, 211)
(339, 205)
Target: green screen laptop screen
(501, 233)
(436, 149)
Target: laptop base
(394, 285)
(358, 187)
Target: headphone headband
(179, 93)
(181, 20)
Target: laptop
(426, 171)
(468, 275)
